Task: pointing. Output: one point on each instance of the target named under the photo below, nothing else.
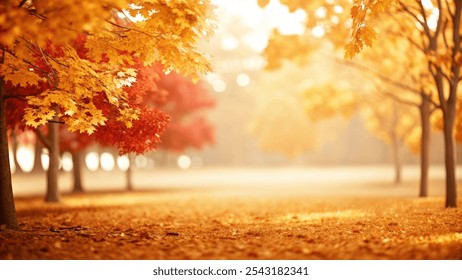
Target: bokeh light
(184, 162)
(229, 43)
(66, 162)
(318, 31)
(25, 156)
(107, 162)
(45, 159)
(141, 161)
(219, 86)
(92, 161)
(243, 80)
(123, 162)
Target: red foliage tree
(185, 105)
(143, 136)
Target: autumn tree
(393, 123)
(291, 139)
(36, 46)
(186, 104)
(433, 27)
(400, 67)
(401, 76)
(287, 94)
(75, 143)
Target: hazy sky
(261, 21)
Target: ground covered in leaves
(239, 223)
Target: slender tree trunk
(397, 162)
(450, 110)
(77, 172)
(451, 184)
(396, 149)
(14, 148)
(38, 157)
(425, 145)
(52, 172)
(7, 209)
(129, 174)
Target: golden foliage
(294, 48)
(391, 121)
(38, 43)
(328, 100)
(295, 220)
(280, 126)
(361, 33)
(263, 3)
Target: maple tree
(161, 99)
(186, 104)
(433, 27)
(37, 48)
(75, 143)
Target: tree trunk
(52, 172)
(129, 174)
(397, 160)
(450, 110)
(396, 149)
(451, 184)
(77, 172)
(7, 209)
(38, 157)
(425, 144)
(14, 148)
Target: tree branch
(398, 99)
(406, 9)
(22, 98)
(448, 6)
(22, 3)
(378, 74)
(43, 139)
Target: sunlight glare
(455, 237)
(92, 161)
(123, 162)
(287, 23)
(229, 43)
(433, 19)
(259, 22)
(427, 4)
(257, 41)
(107, 162)
(25, 156)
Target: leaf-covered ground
(239, 223)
